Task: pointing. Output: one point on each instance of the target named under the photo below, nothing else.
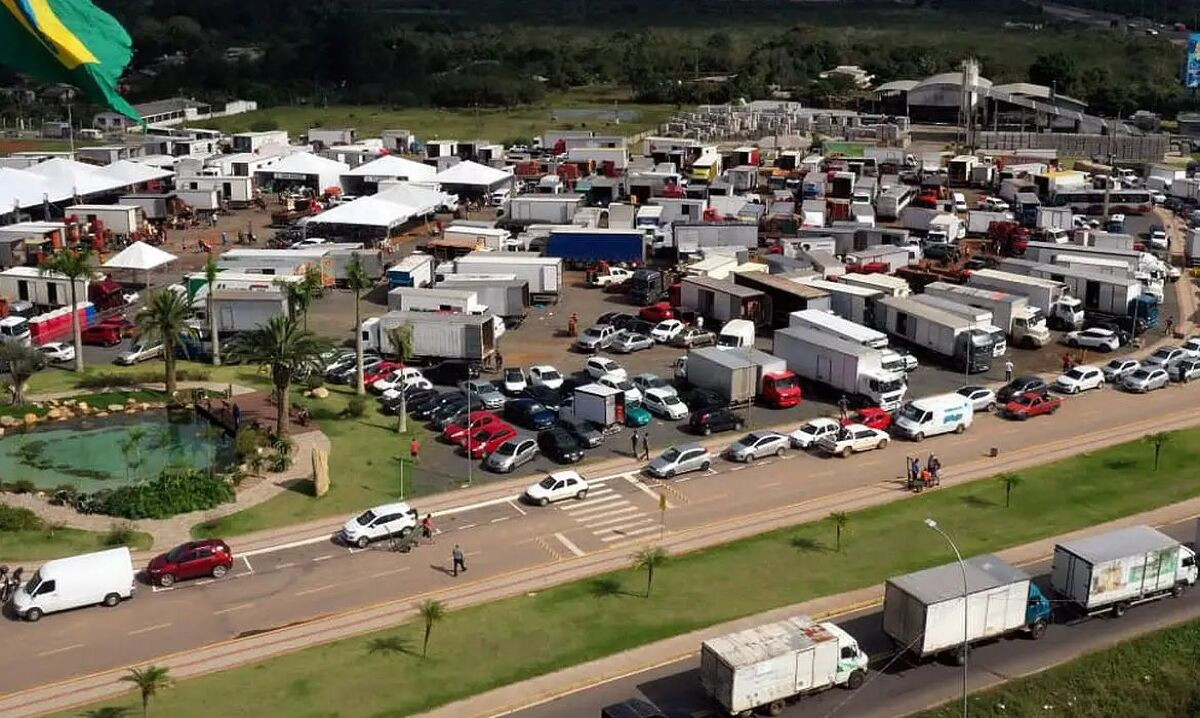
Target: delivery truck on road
(923, 611)
(1122, 568)
(845, 366)
(767, 667)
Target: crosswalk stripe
(591, 508)
(627, 534)
(621, 528)
(618, 519)
(588, 502)
(610, 510)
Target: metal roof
(783, 284)
(941, 583)
(723, 286)
(897, 86)
(754, 645)
(1118, 544)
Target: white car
(665, 403)
(807, 436)
(982, 398)
(1192, 347)
(545, 375)
(597, 367)
(1080, 378)
(1158, 238)
(556, 487)
(139, 353)
(757, 445)
(621, 383)
(398, 519)
(1095, 338)
(57, 352)
(394, 393)
(398, 379)
(992, 204)
(852, 439)
(666, 330)
(1116, 370)
(1157, 197)
(960, 202)
(514, 380)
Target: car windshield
(671, 454)
(547, 483)
(507, 449)
(550, 375)
(1140, 374)
(669, 399)
(365, 518)
(913, 413)
(513, 374)
(592, 332)
(32, 587)
(789, 383)
(623, 384)
(1116, 364)
(1074, 374)
(1163, 353)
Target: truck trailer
(1048, 295)
(544, 274)
(582, 246)
(886, 283)
(949, 336)
(845, 366)
(783, 296)
(436, 299)
(415, 270)
(742, 375)
(1025, 325)
(848, 301)
(543, 208)
(506, 298)
(980, 319)
(436, 336)
(858, 333)
(1106, 295)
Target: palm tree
(74, 266)
(839, 519)
(401, 339)
(1158, 440)
(432, 611)
(131, 449)
(358, 281)
(164, 320)
(287, 350)
(1010, 481)
(149, 680)
(21, 363)
(210, 275)
(649, 558)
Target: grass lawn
(1153, 676)
(53, 543)
(479, 648)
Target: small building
(42, 289)
(235, 191)
(254, 141)
(121, 219)
(329, 137)
(173, 111)
(25, 244)
(104, 154)
(398, 140)
(721, 300)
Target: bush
(119, 534)
(107, 379)
(175, 491)
(281, 459)
(248, 441)
(314, 381)
(356, 407)
(24, 486)
(14, 519)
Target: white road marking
(248, 566)
(318, 589)
(147, 629)
(285, 546)
(238, 607)
(621, 529)
(60, 650)
(646, 489)
(205, 582)
(479, 505)
(502, 518)
(570, 546)
(623, 510)
(160, 589)
(579, 508)
(472, 553)
(389, 572)
(769, 484)
(627, 534)
(516, 507)
(285, 565)
(467, 526)
(788, 457)
(326, 557)
(616, 520)
(593, 509)
(739, 468)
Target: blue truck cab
(1038, 611)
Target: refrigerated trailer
(544, 274)
(949, 336)
(845, 366)
(886, 283)
(436, 336)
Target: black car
(640, 326)
(710, 421)
(450, 373)
(425, 409)
(529, 414)
(392, 405)
(550, 398)
(560, 445)
(448, 409)
(618, 319)
(632, 708)
(584, 431)
(1019, 387)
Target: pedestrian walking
(414, 450)
(224, 238)
(427, 527)
(699, 322)
(844, 407)
(459, 560)
(1066, 361)
(914, 469)
(1171, 326)
(645, 446)
(633, 444)
(1008, 370)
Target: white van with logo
(102, 578)
(932, 415)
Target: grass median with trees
(482, 647)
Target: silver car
(680, 460)
(1116, 370)
(648, 381)
(483, 394)
(596, 338)
(1164, 357)
(1185, 370)
(512, 454)
(631, 342)
(1146, 379)
(756, 445)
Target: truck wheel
(1119, 609)
(33, 615)
(110, 600)
(543, 501)
(855, 681)
(1037, 630)
(960, 428)
(1178, 589)
(919, 437)
(775, 708)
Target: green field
(579, 109)
(55, 542)
(1153, 676)
(479, 648)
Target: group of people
(931, 475)
(644, 451)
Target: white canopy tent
(318, 173)
(21, 189)
(391, 167)
(140, 257)
(136, 173)
(423, 200)
(473, 174)
(366, 220)
(76, 178)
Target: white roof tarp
(76, 178)
(391, 166)
(328, 172)
(472, 174)
(135, 173)
(422, 200)
(20, 189)
(366, 212)
(140, 256)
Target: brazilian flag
(68, 41)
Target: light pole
(966, 594)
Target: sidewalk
(516, 696)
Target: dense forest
(411, 53)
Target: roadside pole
(662, 521)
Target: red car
(487, 439)
(102, 335)
(872, 416)
(380, 371)
(209, 557)
(657, 312)
(475, 420)
(1031, 404)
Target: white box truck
(843, 328)
(923, 612)
(103, 578)
(978, 221)
(1103, 293)
(980, 319)
(1055, 218)
(243, 310)
(436, 336)
(1191, 247)
(845, 366)
(886, 283)
(848, 301)
(947, 335)
(1119, 569)
(1048, 295)
(742, 375)
(767, 667)
(544, 274)
(1026, 325)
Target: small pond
(108, 452)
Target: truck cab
(736, 334)
(1029, 328)
(1038, 611)
(887, 389)
(780, 390)
(1067, 313)
(15, 329)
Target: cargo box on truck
(722, 300)
(891, 286)
(543, 208)
(923, 612)
(415, 270)
(1025, 325)
(851, 331)
(1191, 247)
(436, 336)
(742, 375)
(1116, 570)
(978, 221)
(579, 247)
(435, 299)
(1105, 294)
(950, 337)
(243, 310)
(782, 296)
(980, 319)
(848, 301)
(769, 666)
(506, 298)
(847, 367)
(544, 274)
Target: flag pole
(70, 124)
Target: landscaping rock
(31, 418)
(112, 408)
(101, 414)
(9, 421)
(319, 393)
(83, 407)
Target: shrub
(356, 407)
(314, 381)
(174, 491)
(13, 518)
(248, 441)
(281, 459)
(106, 379)
(119, 534)
(24, 486)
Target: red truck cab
(780, 390)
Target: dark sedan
(560, 446)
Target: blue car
(529, 414)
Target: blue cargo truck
(584, 246)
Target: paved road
(311, 589)
(895, 687)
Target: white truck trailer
(828, 323)
(886, 283)
(544, 274)
(243, 310)
(1102, 293)
(436, 336)
(1025, 325)
(1048, 295)
(769, 666)
(978, 221)
(923, 611)
(848, 301)
(1191, 247)
(845, 366)
(1122, 568)
(424, 299)
(980, 319)
(544, 208)
(949, 336)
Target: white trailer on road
(769, 666)
(843, 365)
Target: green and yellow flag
(69, 41)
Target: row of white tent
(60, 179)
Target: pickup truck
(1031, 404)
(608, 276)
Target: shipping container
(436, 336)
(949, 336)
(578, 246)
(544, 274)
(415, 270)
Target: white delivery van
(932, 415)
(736, 334)
(91, 579)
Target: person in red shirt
(414, 448)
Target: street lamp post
(966, 594)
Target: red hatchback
(103, 335)
(872, 416)
(209, 557)
(476, 419)
(657, 312)
(487, 439)
(380, 371)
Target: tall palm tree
(358, 282)
(432, 611)
(401, 339)
(164, 320)
(300, 295)
(649, 558)
(839, 519)
(1010, 482)
(149, 680)
(20, 363)
(287, 350)
(210, 275)
(1158, 440)
(74, 266)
